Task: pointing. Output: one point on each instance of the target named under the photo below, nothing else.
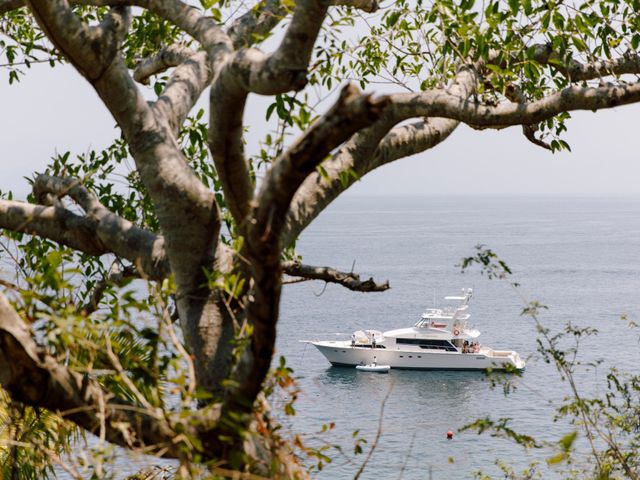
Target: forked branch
(90, 49)
(250, 70)
(367, 150)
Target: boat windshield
(428, 322)
(422, 323)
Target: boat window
(429, 344)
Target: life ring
(456, 332)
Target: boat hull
(344, 354)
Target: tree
(214, 231)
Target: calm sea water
(580, 257)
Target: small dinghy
(374, 367)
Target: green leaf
(392, 19)
(270, 110)
(579, 43)
(567, 441)
(558, 20)
(557, 458)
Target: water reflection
(422, 387)
(425, 403)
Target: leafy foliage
(22, 44)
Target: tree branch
(117, 274)
(32, 376)
(407, 140)
(204, 29)
(7, 6)
(369, 149)
(352, 112)
(515, 94)
(349, 280)
(443, 104)
(576, 71)
(189, 19)
(166, 58)
(361, 154)
(183, 89)
(250, 70)
(286, 68)
(81, 42)
(260, 20)
(95, 54)
(90, 49)
(368, 6)
(253, 71)
(226, 142)
(256, 23)
(96, 234)
(185, 208)
(295, 49)
(49, 190)
(54, 223)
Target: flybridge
(440, 318)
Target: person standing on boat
(353, 339)
(373, 340)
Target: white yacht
(441, 339)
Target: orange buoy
(449, 435)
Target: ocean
(580, 257)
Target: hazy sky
(56, 110)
